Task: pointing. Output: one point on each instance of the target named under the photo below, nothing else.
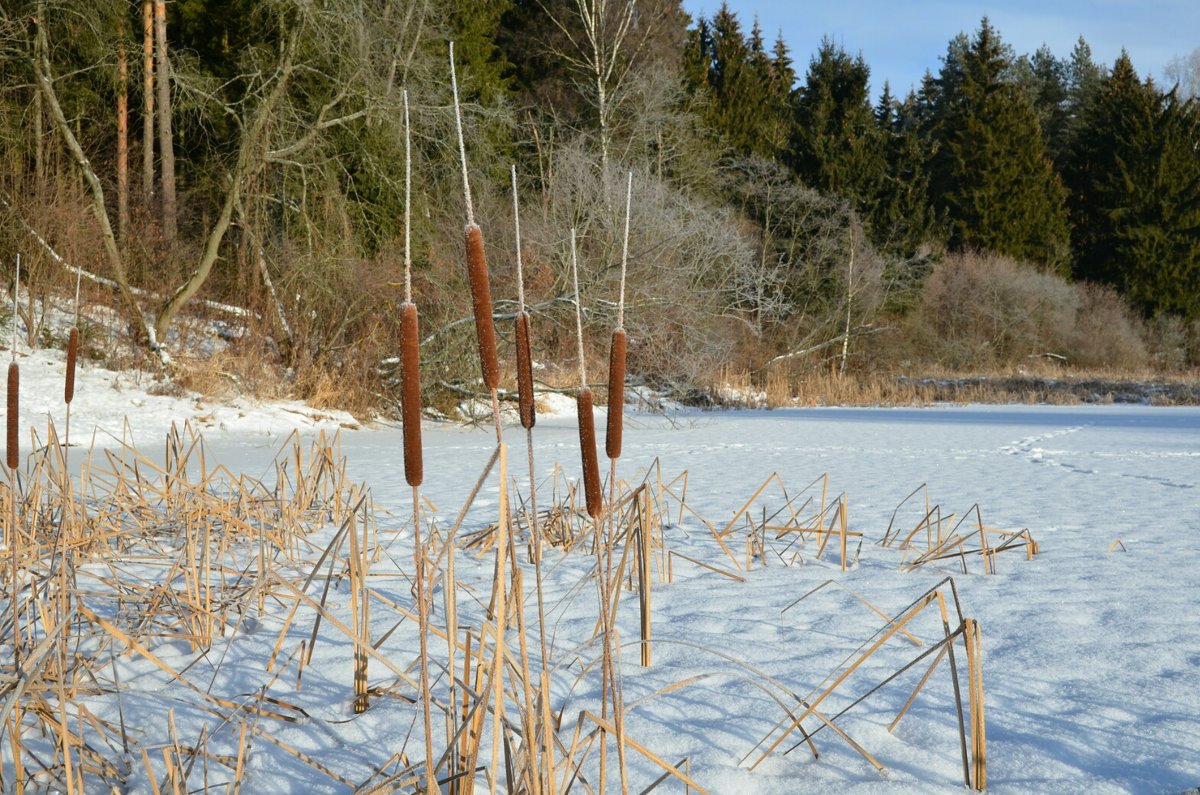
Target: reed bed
(942, 537)
(171, 564)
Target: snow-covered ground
(1091, 651)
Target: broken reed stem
(975, 700)
(359, 599)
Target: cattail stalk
(528, 412)
(13, 452)
(583, 406)
(12, 458)
(617, 349)
(410, 410)
(477, 272)
(410, 351)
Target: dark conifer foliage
(991, 173)
(1134, 176)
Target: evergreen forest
(241, 165)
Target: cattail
(14, 383)
(587, 448)
(410, 394)
(72, 352)
(616, 394)
(481, 299)
(525, 372)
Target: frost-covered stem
(578, 312)
(408, 203)
(16, 296)
(517, 227)
(625, 252)
(462, 148)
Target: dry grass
(1038, 383)
(133, 557)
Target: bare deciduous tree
(603, 41)
(1183, 71)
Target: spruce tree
(1135, 194)
(836, 146)
(745, 88)
(991, 174)
(901, 219)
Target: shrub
(985, 311)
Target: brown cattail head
(481, 300)
(410, 394)
(525, 372)
(587, 448)
(616, 394)
(14, 388)
(72, 353)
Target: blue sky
(900, 40)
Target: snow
(1091, 650)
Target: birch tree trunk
(165, 145)
(849, 306)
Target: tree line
(246, 158)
